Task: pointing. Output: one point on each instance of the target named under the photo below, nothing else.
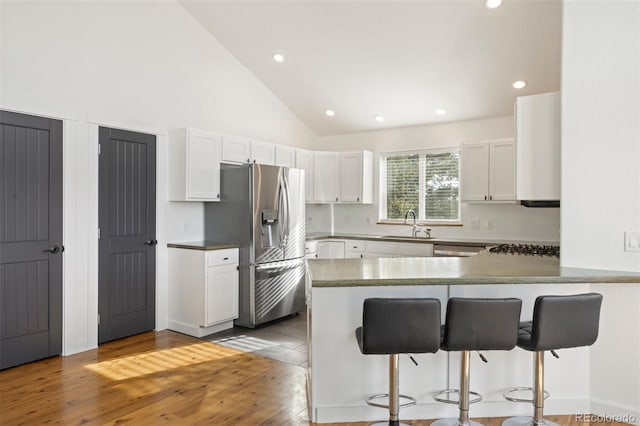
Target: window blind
(425, 182)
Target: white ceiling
(400, 59)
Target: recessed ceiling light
(519, 84)
(492, 4)
(379, 118)
(441, 111)
(278, 57)
(330, 112)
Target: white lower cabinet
(330, 250)
(354, 249)
(203, 290)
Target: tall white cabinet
(488, 171)
(194, 165)
(203, 290)
(538, 143)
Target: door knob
(54, 249)
(151, 242)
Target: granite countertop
(203, 245)
(440, 240)
(484, 268)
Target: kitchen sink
(405, 237)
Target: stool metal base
(389, 423)
(447, 392)
(527, 421)
(411, 400)
(454, 422)
(506, 394)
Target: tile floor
(284, 340)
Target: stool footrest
(519, 389)
(447, 392)
(411, 401)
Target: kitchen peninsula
(341, 378)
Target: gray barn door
(127, 220)
(30, 238)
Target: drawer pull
(225, 258)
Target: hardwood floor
(163, 378)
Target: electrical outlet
(488, 224)
(631, 241)
(475, 223)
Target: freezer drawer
(279, 289)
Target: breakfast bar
(582, 380)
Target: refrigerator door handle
(287, 209)
(280, 207)
(285, 267)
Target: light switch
(631, 241)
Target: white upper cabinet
(263, 153)
(538, 146)
(488, 171)
(304, 161)
(285, 156)
(236, 150)
(326, 179)
(475, 171)
(194, 165)
(356, 177)
(502, 171)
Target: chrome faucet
(416, 229)
(406, 216)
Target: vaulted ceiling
(399, 59)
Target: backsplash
(499, 221)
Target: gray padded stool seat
(476, 325)
(559, 322)
(398, 326)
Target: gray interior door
(30, 238)
(127, 220)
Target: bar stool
(476, 325)
(398, 326)
(559, 322)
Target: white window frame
(382, 186)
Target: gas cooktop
(527, 249)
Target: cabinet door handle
(361, 256)
(358, 199)
(336, 198)
(491, 197)
(218, 195)
(485, 198)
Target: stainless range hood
(540, 203)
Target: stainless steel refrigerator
(262, 209)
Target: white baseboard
(439, 410)
(607, 412)
(196, 331)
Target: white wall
(139, 65)
(600, 133)
(503, 221)
(601, 180)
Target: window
(426, 182)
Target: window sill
(419, 223)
